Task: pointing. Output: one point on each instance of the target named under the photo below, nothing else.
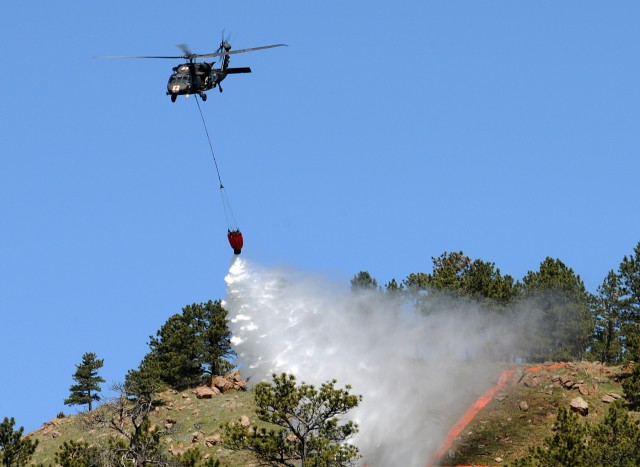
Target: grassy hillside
(504, 429)
(193, 421)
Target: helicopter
(197, 77)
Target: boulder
(222, 383)
(212, 440)
(610, 397)
(584, 390)
(231, 381)
(244, 421)
(566, 382)
(523, 406)
(580, 406)
(204, 392)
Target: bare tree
(127, 414)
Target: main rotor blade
(185, 49)
(240, 51)
(138, 56)
(192, 56)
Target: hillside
(193, 422)
(524, 412)
(520, 415)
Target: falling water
(416, 373)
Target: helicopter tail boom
(233, 71)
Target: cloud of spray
(416, 373)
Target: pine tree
(558, 304)
(187, 347)
(614, 442)
(85, 392)
(608, 317)
(14, 449)
(311, 427)
(363, 281)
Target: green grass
(503, 430)
(192, 416)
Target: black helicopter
(197, 77)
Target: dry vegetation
(191, 421)
(501, 430)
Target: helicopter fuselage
(197, 77)
(191, 78)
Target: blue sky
(385, 134)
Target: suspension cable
(228, 212)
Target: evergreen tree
(85, 392)
(363, 281)
(631, 387)
(78, 454)
(485, 284)
(608, 317)
(14, 449)
(448, 272)
(558, 307)
(214, 336)
(629, 273)
(630, 283)
(614, 442)
(310, 432)
(188, 346)
(469, 281)
(392, 288)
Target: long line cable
(228, 212)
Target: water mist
(416, 373)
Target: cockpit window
(180, 79)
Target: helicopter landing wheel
(204, 97)
(173, 97)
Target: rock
(222, 384)
(204, 392)
(583, 389)
(244, 421)
(610, 397)
(212, 440)
(501, 396)
(170, 423)
(523, 406)
(580, 406)
(241, 385)
(230, 381)
(498, 459)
